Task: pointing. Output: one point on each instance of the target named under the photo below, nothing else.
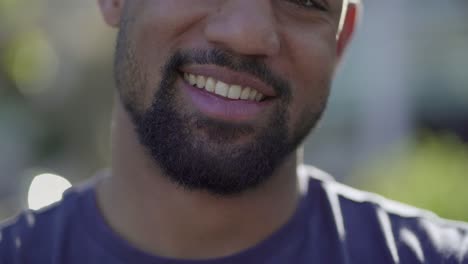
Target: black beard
(198, 153)
(210, 162)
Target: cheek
(162, 25)
(157, 33)
(312, 62)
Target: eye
(310, 4)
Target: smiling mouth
(222, 89)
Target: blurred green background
(397, 123)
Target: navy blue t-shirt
(333, 224)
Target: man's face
(221, 92)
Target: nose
(245, 26)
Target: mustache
(250, 65)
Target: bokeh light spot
(32, 62)
(46, 189)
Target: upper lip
(230, 77)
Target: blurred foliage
(55, 93)
(31, 62)
(430, 173)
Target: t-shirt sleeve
(11, 233)
(431, 240)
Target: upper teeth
(223, 89)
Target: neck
(159, 217)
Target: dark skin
(304, 45)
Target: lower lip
(222, 108)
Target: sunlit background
(397, 122)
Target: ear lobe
(348, 29)
(111, 11)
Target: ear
(349, 26)
(111, 11)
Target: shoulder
(408, 233)
(37, 232)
